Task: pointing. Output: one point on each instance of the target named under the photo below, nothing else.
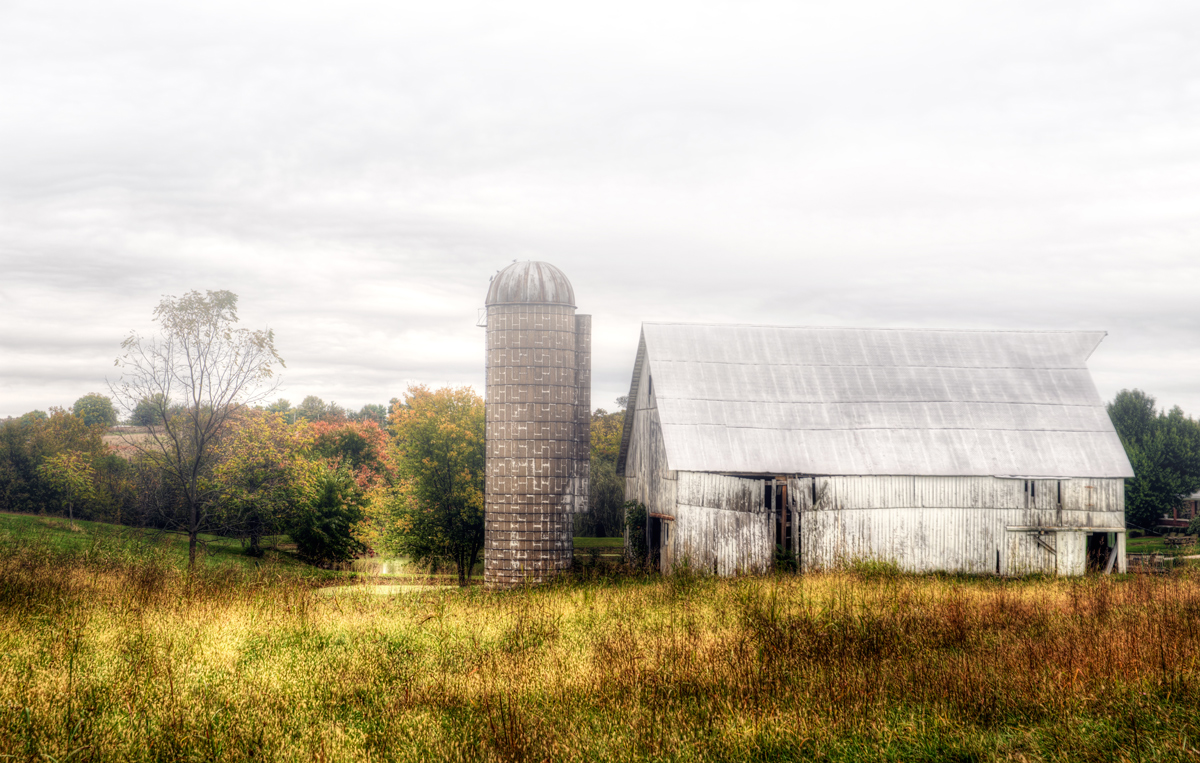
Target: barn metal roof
(837, 401)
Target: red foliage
(361, 445)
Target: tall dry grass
(108, 654)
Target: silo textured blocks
(538, 423)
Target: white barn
(971, 451)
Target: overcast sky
(356, 171)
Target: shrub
(785, 560)
(635, 522)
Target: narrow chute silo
(538, 423)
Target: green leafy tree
(440, 445)
(606, 490)
(285, 408)
(148, 411)
(1164, 450)
(95, 410)
(313, 408)
(70, 472)
(372, 412)
(198, 372)
(324, 532)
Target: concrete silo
(538, 423)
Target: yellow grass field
(110, 652)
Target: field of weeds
(108, 653)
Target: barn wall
(953, 523)
(648, 477)
(722, 524)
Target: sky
(356, 171)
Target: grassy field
(1157, 545)
(603, 543)
(109, 652)
(60, 536)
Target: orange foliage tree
(439, 437)
(262, 474)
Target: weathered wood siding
(953, 523)
(722, 524)
(649, 478)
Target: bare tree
(197, 374)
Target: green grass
(109, 652)
(58, 534)
(1156, 545)
(606, 543)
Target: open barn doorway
(776, 503)
(1100, 550)
(654, 528)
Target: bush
(785, 560)
(635, 521)
(1194, 526)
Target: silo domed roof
(530, 282)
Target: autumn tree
(362, 450)
(361, 446)
(439, 438)
(198, 372)
(262, 474)
(25, 444)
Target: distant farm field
(109, 652)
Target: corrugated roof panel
(859, 384)
(755, 399)
(884, 415)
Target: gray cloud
(356, 171)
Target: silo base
(523, 549)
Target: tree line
(211, 455)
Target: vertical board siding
(649, 479)
(718, 491)
(951, 523)
(722, 524)
(722, 542)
